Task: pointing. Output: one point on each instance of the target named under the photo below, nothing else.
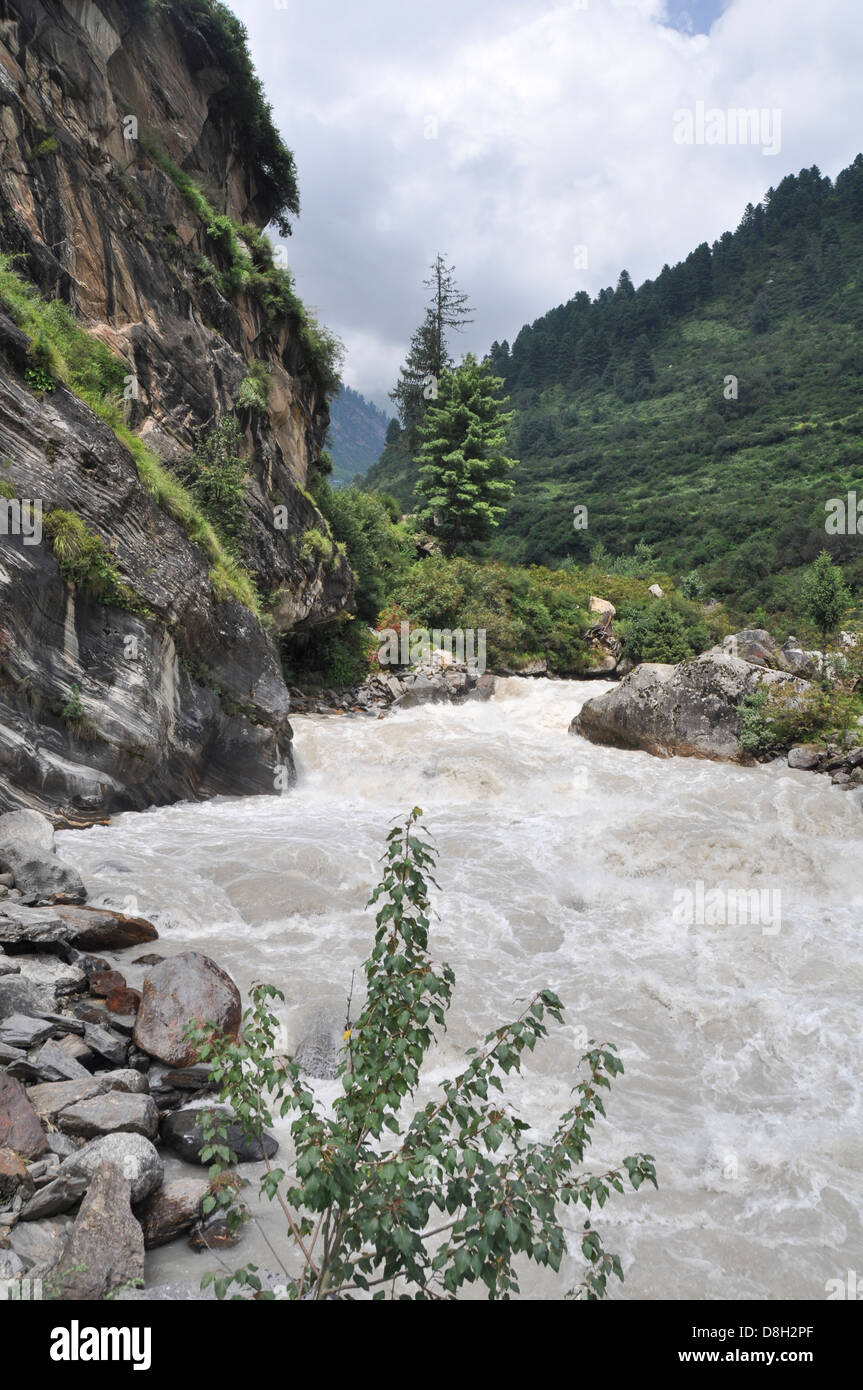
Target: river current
(569, 866)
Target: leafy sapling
(389, 1201)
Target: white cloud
(555, 129)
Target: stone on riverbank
(20, 1128)
(27, 852)
(177, 992)
(692, 709)
(170, 1211)
(106, 1247)
(183, 1133)
(134, 1155)
(109, 1113)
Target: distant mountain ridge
(712, 412)
(357, 434)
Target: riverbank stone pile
(97, 1081)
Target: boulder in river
(691, 709)
(181, 990)
(100, 929)
(106, 1247)
(183, 1133)
(27, 852)
(171, 1210)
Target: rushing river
(559, 865)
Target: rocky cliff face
(178, 691)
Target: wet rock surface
(183, 1133)
(693, 709)
(201, 708)
(184, 989)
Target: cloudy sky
(509, 133)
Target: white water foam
(559, 862)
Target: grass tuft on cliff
(62, 349)
(86, 561)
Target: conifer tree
(463, 469)
(428, 356)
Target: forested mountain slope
(356, 435)
(626, 404)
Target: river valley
(559, 865)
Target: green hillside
(356, 435)
(621, 405)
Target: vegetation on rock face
(254, 389)
(828, 714)
(242, 99)
(93, 373)
(391, 1204)
(217, 474)
(251, 269)
(86, 561)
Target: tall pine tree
(428, 356)
(463, 468)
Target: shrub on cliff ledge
(395, 1205)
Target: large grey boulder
(177, 992)
(134, 1155)
(109, 1113)
(691, 709)
(106, 1247)
(27, 851)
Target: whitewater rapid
(559, 866)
